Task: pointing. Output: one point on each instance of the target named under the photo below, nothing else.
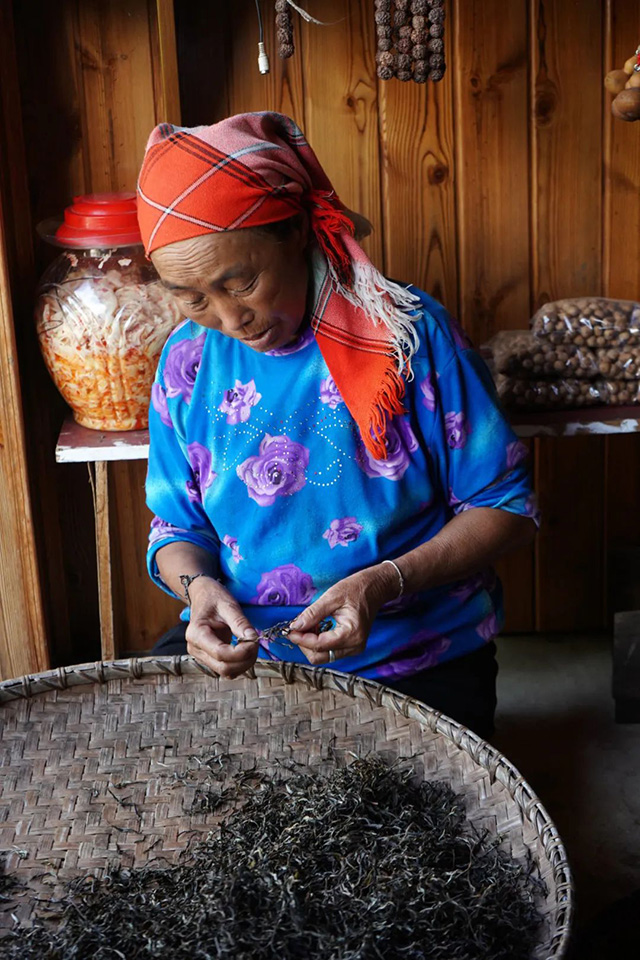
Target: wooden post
(100, 489)
(23, 643)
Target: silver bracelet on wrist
(186, 580)
(400, 577)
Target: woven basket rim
(482, 753)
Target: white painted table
(96, 448)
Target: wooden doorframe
(23, 640)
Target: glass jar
(102, 314)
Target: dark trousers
(464, 688)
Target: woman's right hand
(215, 617)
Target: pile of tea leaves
(362, 864)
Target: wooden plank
(114, 50)
(164, 60)
(100, 485)
(23, 642)
(282, 88)
(566, 124)
(621, 274)
(488, 69)
(490, 61)
(341, 107)
(418, 176)
(569, 556)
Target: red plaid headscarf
(257, 168)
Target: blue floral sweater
(256, 458)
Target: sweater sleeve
(479, 460)
(176, 475)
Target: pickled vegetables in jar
(102, 314)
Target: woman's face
(244, 283)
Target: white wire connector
(263, 59)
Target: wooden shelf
(78, 444)
(574, 423)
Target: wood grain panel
(417, 151)
(282, 88)
(569, 557)
(490, 60)
(341, 107)
(493, 226)
(23, 643)
(621, 272)
(566, 119)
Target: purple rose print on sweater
(181, 367)
(203, 475)
(400, 442)
(428, 390)
(232, 543)
(516, 453)
(423, 651)
(161, 529)
(342, 531)
(159, 402)
(329, 392)
(488, 628)
(457, 429)
(286, 586)
(238, 401)
(278, 470)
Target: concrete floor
(555, 723)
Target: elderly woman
(325, 446)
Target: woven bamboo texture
(92, 758)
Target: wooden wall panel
(418, 184)
(492, 143)
(566, 196)
(341, 107)
(493, 220)
(622, 270)
(23, 644)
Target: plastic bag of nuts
(593, 322)
(547, 394)
(566, 394)
(619, 364)
(519, 353)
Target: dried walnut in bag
(563, 394)
(519, 353)
(593, 322)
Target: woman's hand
(353, 603)
(215, 616)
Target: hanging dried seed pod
(419, 39)
(284, 29)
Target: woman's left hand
(353, 603)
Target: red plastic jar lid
(96, 220)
